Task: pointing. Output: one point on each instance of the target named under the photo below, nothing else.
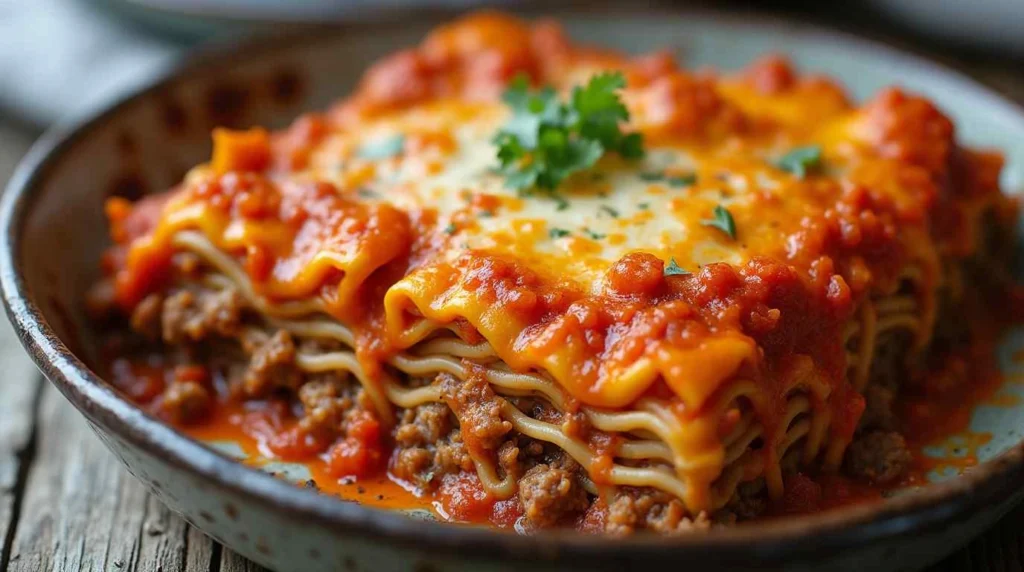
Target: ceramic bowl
(52, 231)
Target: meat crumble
(433, 440)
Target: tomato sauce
(935, 420)
(904, 195)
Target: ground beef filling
(433, 440)
(477, 409)
(632, 510)
(271, 364)
(326, 401)
(186, 401)
(193, 316)
(437, 439)
(428, 445)
(878, 456)
(878, 453)
(551, 495)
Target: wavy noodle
(866, 350)
(651, 453)
(456, 347)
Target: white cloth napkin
(60, 57)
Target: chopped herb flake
(382, 148)
(723, 221)
(652, 176)
(366, 193)
(682, 180)
(560, 203)
(487, 213)
(558, 233)
(609, 211)
(643, 206)
(673, 269)
(450, 229)
(801, 160)
(594, 235)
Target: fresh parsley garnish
(801, 160)
(652, 176)
(682, 180)
(366, 193)
(486, 213)
(609, 211)
(450, 229)
(722, 221)
(673, 269)
(558, 233)
(382, 148)
(594, 235)
(643, 206)
(547, 140)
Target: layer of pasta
(638, 298)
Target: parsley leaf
(673, 269)
(594, 235)
(723, 221)
(801, 160)
(382, 148)
(450, 229)
(643, 206)
(547, 140)
(558, 233)
(609, 211)
(652, 176)
(632, 146)
(600, 111)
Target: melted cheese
(401, 245)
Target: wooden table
(66, 504)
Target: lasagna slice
(622, 296)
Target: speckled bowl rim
(997, 482)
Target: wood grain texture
(203, 554)
(82, 511)
(19, 387)
(232, 562)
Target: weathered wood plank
(203, 554)
(82, 511)
(233, 562)
(19, 385)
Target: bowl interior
(146, 144)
